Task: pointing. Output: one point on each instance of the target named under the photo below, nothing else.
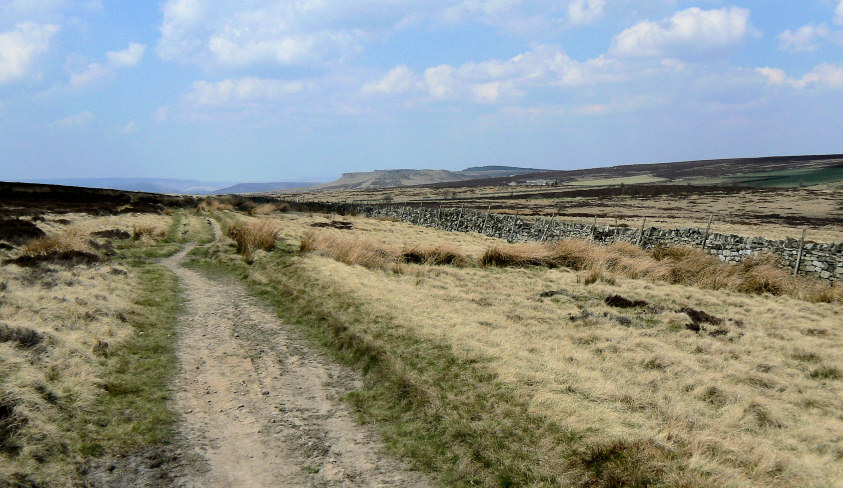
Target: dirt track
(260, 406)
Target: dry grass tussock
(677, 265)
(351, 249)
(252, 235)
(212, 205)
(74, 239)
(268, 208)
(147, 233)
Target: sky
(283, 90)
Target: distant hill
(773, 171)
(260, 187)
(390, 178)
(151, 185)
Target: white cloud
(399, 80)
(232, 34)
(78, 120)
(581, 12)
(804, 39)
(97, 72)
(241, 91)
(20, 47)
(126, 58)
(775, 76)
(94, 73)
(129, 128)
(494, 80)
(689, 32)
(825, 75)
(838, 13)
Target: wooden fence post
(799, 256)
(594, 228)
(616, 224)
(641, 234)
(459, 218)
(544, 235)
(707, 229)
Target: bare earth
(261, 406)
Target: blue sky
(298, 89)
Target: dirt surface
(260, 406)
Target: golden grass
(756, 404)
(80, 312)
(72, 239)
(735, 406)
(252, 235)
(147, 232)
(213, 205)
(676, 264)
(351, 249)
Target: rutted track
(262, 407)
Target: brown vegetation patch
(147, 232)
(252, 235)
(19, 231)
(112, 234)
(676, 264)
(349, 250)
(621, 463)
(622, 302)
(439, 254)
(336, 224)
(64, 258)
(21, 336)
(10, 424)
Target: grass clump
(369, 254)
(439, 254)
(213, 205)
(74, 239)
(676, 264)
(349, 250)
(252, 235)
(148, 233)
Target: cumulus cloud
(582, 12)
(126, 58)
(78, 120)
(399, 80)
(241, 91)
(494, 80)
(232, 34)
(804, 39)
(20, 47)
(825, 75)
(688, 33)
(96, 72)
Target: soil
(259, 406)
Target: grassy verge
(86, 361)
(133, 410)
(446, 412)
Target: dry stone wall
(822, 260)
